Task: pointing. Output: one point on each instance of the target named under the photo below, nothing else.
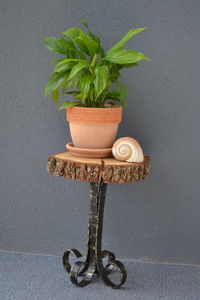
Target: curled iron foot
(105, 271)
(66, 255)
(110, 257)
(78, 269)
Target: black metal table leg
(82, 272)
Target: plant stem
(93, 60)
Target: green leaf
(64, 67)
(55, 96)
(127, 66)
(114, 71)
(94, 37)
(84, 85)
(101, 79)
(72, 83)
(60, 46)
(81, 55)
(101, 51)
(77, 68)
(79, 37)
(57, 60)
(123, 92)
(55, 81)
(64, 84)
(85, 24)
(112, 94)
(67, 104)
(72, 92)
(78, 96)
(68, 60)
(127, 37)
(125, 57)
(122, 89)
(113, 101)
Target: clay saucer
(89, 153)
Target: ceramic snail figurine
(127, 149)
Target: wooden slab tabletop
(108, 169)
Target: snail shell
(127, 149)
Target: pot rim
(95, 115)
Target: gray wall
(155, 220)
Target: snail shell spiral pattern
(127, 149)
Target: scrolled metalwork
(76, 271)
(104, 273)
(82, 272)
(66, 255)
(110, 256)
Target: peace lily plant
(90, 75)
(87, 70)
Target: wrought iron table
(99, 172)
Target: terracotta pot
(94, 128)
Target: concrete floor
(40, 277)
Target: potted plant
(91, 76)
